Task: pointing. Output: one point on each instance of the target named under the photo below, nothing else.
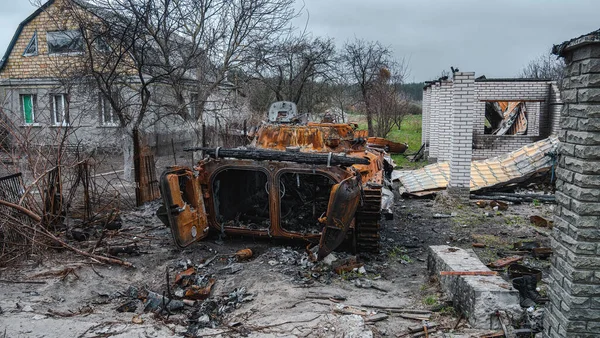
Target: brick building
(44, 95)
(538, 101)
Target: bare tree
(365, 60)
(152, 59)
(546, 66)
(297, 69)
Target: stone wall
(574, 287)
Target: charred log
(270, 155)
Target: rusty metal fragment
(540, 221)
(243, 254)
(502, 262)
(387, 145)
(196, 292)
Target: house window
(107, 114)
(64, 42)
(60, 110)
(28, 106)
(32, 46)
(102, 46)
(193, 104)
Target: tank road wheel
(367, 221)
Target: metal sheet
(496, 171)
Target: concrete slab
(477, 297)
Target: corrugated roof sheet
(497, 171)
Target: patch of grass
(399, 253)
(430, 300)
(536, 203)
(409, 133)
(468, 219)
(448, 310)
(491, 240)
(514, 220)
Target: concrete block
(478, 297)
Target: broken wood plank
(497, 334)
(420, 328)
(413, 316)
(376, 318)
(426, 334)
(21, 281)
(468, 273)
(398, 309)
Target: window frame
(66, 31)
(33, 109)
(34, 41)
(193, 108)
(64, 122)
(103, 106)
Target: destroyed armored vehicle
(315, 181)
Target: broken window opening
(60, 111)
(241, 199)
(505, 118)
(32, 46)
(108, 118)
(64, 42)
(304, 199)
(28, 107)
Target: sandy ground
(274, 290)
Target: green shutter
(28, 108)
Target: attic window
(32, 46)
(65, 42)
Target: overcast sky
(495, 38)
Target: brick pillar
(461, 132)
(574, 289)
(425, 115)
(434, 117)
(445, 117)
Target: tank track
(367, 221)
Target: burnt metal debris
(318, 182)
(518, 166)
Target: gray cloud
(11, 14)
(495, 38)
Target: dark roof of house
(12, 43)
(592, 37)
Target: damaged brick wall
(445, 116)
(542, 99)
(425, 115)
(461, 135)
(434, 123)
(574, 285)
(536, 93)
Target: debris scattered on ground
(503, 262)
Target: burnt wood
(273, 155)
